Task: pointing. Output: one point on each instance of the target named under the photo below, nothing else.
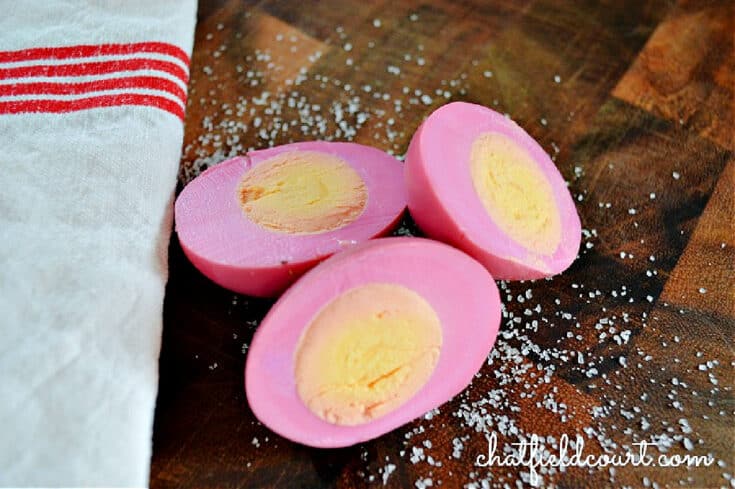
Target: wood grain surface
(633, 100)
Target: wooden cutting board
(634, 101)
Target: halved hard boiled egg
(477, 180)
(255, 223)
(371, 339)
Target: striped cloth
(67, 78)
(92, 98)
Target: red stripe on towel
(61, 106)
(95, 68)
(87, 50)
(56, 88)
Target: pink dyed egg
(253, 224)
(371, 339)
(477, 180)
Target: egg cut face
(514, 192)
(303, 192)
(371, 339)
(366, 353)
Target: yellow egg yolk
(515, 193)
(303, 192)
(366, 353)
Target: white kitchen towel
(92, 97)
